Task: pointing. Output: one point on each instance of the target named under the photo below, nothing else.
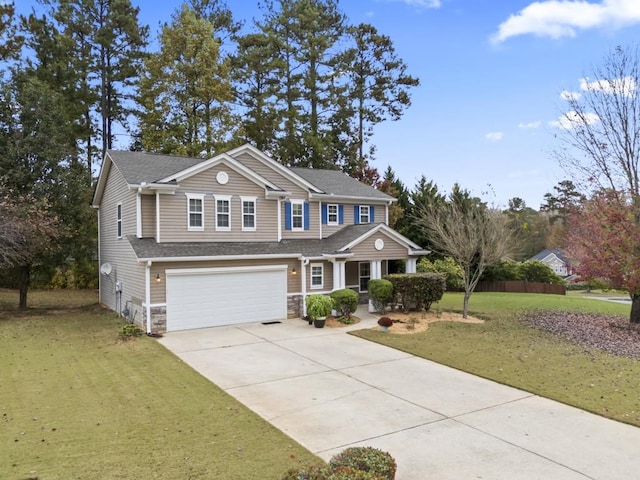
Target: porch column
(376, 274)
(339, 278)
(411, 265)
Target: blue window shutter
(325, 213)
(306, 215)
(340, 214)
(372, 218)
(287, 215)
(356, 214)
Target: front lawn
(508, 351)
(75, 402)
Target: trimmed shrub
(350, 473)
(448, 267)
(345, 301)
(537, 271)
(366, 459)
(310, 472)
(318, 306)
(504, 270)
(380, 293)
(417, 290)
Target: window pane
(296, 213)
(195, 220)
(248, 207)
(223, 220)
(248, 221)
(223, 206)
(195, 205)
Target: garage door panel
(198, 299)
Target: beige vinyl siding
(148, 204)
(367, 251)
(272, 175)
(327, 272)
(173, 210)
(118, 252)
(349, 219)
(158, 289)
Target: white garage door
(209, 297)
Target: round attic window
(222, 178)
(379, 244)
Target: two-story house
(189, 243)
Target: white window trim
(360, 277)
(223, 198)
(337, 220)
(253, 200)
(119, 220)
(301, 203)
(195, 196)
(368, 214)
(311, 275)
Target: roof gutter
(219, 257)
(330, 196)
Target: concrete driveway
(329, 390)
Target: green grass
(75, 402)
(507, 351)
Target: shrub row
(411, 290)
(355, 463)
(530, 271)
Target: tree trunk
(634, 317)
(465, 304)
(25, 278)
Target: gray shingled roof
(138, 167)
(149, 248)
(548, 251)
(338, 183)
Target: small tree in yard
(28, 234)
(601, 150)
(470, 233)
(604, 243)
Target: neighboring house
(556, 260)
(189, 243)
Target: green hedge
(417, 290)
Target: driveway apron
(328, 391)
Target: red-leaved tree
(604, 242)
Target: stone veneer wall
(158, 319)
(294, 306)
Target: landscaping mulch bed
(610, 333)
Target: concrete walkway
(328, 390)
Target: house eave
(333, 197)
(219, 257)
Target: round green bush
(380, 293)
(367, 459)
(345, 301)
(350, 473)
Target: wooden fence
(519, 286)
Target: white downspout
(147, 294)
(139, 213)
(99, 259)
(304, 262)
(320, 229)
(279, 219)
(158, 217)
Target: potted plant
(318, 307)
(385, 323)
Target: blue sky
(492, 75)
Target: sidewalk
(328, 391)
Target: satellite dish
(105, 268)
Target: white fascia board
(102, 180)
(390, 232)
(276, 194)
(219, 257)
(271, 163)
(329, 198)
(151, 188)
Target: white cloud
(626, 85)
(567, 95)
(571, 119)
(563, 18)
(494, 136)
(421, 3)
(530, 125)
